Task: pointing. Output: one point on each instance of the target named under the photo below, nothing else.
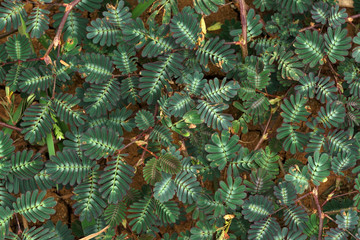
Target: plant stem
(56, 41)
(349, 20)
(91, 236)
(153, 154)
(339, 210)
(243, 19)
(320, 213)
(264, 136)
(296, 200)
(11, 127)
(132, 141)
(141, 160)
(21, 61)
(342, 228)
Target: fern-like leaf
(295, 141)
(62, 104)
(216, 91)
(170, 163)
(6, 147)
(319, 167)
(144, 120)
(212, 114)
(116, 180)
(11, 13)
(294, 110)
(143, 215)
(185, 29)
(38, 22)
(32, 80)
(207, 6)
(168, 212)
(118, 16)
(89, 204)
(261, 181)
(18, 47)
(310, 48)
(320, 12)
(337, 17)
(24, 165)
(285, 192)
(97, 68)
(75, 25)
(115, 213)
(300, 179)
(223, 149)
(295, 217)
(102, 97)
(257, 208)
(232, 193)
(5, 217)
(33, 206)
(264, 229)
(219, 54)
(356, 50)
(151, 171)
(102, 32)
(337, 43)
(37, 122)
(124, 59)
(347, 220)
(188, 188)
(66, 167)
(332, 116)
(165, 189)
(100, 142)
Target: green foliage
(224, 149)
(310, 47)
(18, 47)
(34, 207)
(164, 120)
(38, 22)
(336, 44)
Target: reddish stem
(11, 127)
(243, 19)
(153, 154)
(320, 213)
(21, 61)
(56, 41)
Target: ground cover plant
(151, 123)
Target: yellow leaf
(203, 25)
(215, 26)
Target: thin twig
(11, 127)
(320, 213)
(265, 134)
(339, 210)
(296, 200)
(54, 86)
(337, 196)
(342, 228)
(147, 150)
(243, 19)
(95, 234)
(21, 61)
(56, 41)
(349, 20)
(266, 94)
(132, 141)
(141, 160)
